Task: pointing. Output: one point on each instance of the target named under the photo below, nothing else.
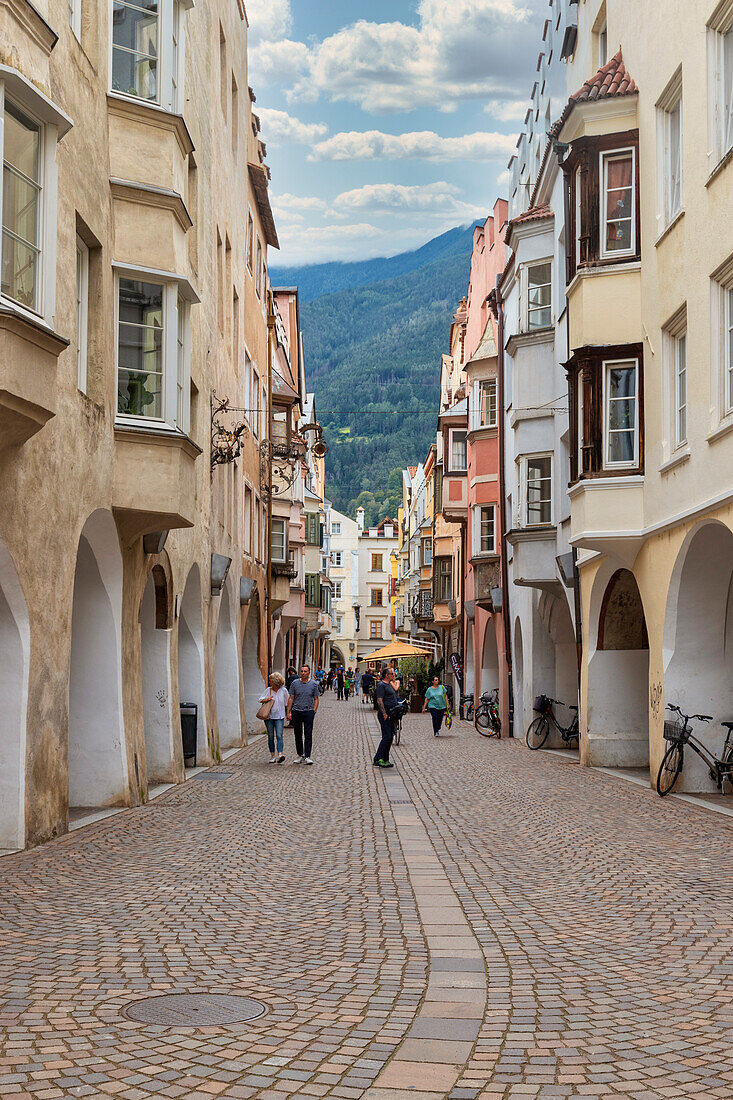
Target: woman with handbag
(436, 701)
(274, 705)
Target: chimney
(360, 520)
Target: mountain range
(373, 334)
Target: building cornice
(152, 115)
(32, 22)
(145, 194)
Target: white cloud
(279, 127)
(423, 145)
(278, 62)
(268, 20)
(508, 110)
(391, 198)
(316, 244)
(287, 203)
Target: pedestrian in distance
(347, 685)
(277, 696)
(340, 684)
(386, 700)
(436, 701)
(357, 681)
(290, 675)
(303, 703)
(367, 682)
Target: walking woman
(274, 723)
(436, 701)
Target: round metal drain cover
(195, 1010)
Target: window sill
(603, 267)
(31, 327)
(160, 434)
(668, 228)
(724, 160)
(722, 430)
(152, 114)
(676, 460)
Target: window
(235, 115)
(338, 587)
(618, 214)
(75, 17)
(148, 51)
(603, 46)
(258, 270)
(335, 528)
(680, 388)
(153, 364)
(538, 490)
(427, 551)
(312, 528)
(720, 64)
(337, 558)
(82, 312)
(669, 150)
(377, 563)
(458, 451)
(375, 597)
(312, 590)
(247, 520)
(621, 442)
(484, 529)
(487, 403)
(222, 68)
(278, 545)
(443, 579)
(375, 628)
(728, 357)
(250, 241)
(539, 296)
(21, 208)
(256, 412)
(339, 622)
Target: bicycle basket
(542, 704)
(675, 730)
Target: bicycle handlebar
(690, 717)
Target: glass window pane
(140, 348)
(619, 203)
(139, 394)
(135, 48)
(622, 381)
(621, 447)
(22, 142)
(19, 271)
(727, 90)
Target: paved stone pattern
(580, 928)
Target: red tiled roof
(535, 213)
(413, 470)
(611, 80)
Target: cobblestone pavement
(480, 922)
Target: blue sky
(386, 123)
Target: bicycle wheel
(398, 733)
(495, 721)
(483, 723)
(537, 732)
(669, 769)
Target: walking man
(302, 706)
(367, 681)
(340, 683)
(386, 699)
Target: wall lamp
(219, 572)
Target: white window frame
(452, 468)
(337, 559)
(177, 298)
(281, 525)
(170, 74)
(681, 389)
(476, 403)
(54, 124)
(526, 459)
(603, 45)
(607, 366)
(75, 18)
(728, 351)
(541, 262)
(335, 528)
(478, 511)
(605, 156)
(338, 588)
(82, 312)
(720, 104)
(670, 162)
(427, 551)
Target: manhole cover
(213, 776)
(194, 1010)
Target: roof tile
(612, 79)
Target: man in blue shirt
(302, 706)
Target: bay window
(537, 490)
(22, 196)
(279, 541)
(485, 406)
(153, 351)
(607, 407)
(618, 217)
(147, 51)
(443, 580)
(621, 422)
(539, 296)
(484, 529)
(458, 451)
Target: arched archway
(14, 656)
(191, 667)
(227, 675)
(520, 713)
(698, 639)
(97, 760)
(554, 657)
(254, 684)
(468, 667)
(618, 674)
(490, 658)
(155, 656)
(337, 657)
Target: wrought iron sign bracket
(226, 433)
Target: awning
(395, 650)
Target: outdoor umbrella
(396, 650)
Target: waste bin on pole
(189, 732)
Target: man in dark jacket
(386, 700)
(367, 682)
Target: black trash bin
(189, 731)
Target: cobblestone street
(479, 922)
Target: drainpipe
(506, 618)
(268, 549)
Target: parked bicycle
(538, 730)
(678, 732)
(487, 720)
(467, 704)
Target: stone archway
(191, 665)
(97, 760)
(618, 674)
(254, 683)
(15, 651)
(226, 659)
(155, 657)
(698, 640)
(490, 658)
(554, 657)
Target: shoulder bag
(264, 711)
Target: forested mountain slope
(372, 354)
